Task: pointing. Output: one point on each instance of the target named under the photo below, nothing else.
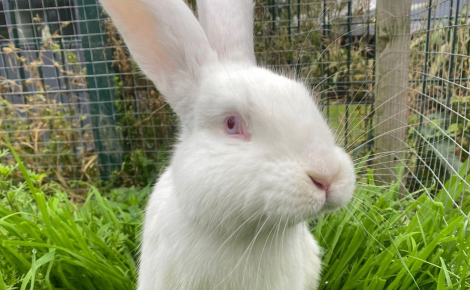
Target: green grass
(48, 243)
(380, 241)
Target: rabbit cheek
(291, 195)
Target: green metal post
(103, 110)
(348, 97)
(423, 93)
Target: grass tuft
(46, 242)
(380, 241)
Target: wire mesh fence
(71, 101)
(439, 88)
(75, 107)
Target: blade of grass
(47, 258)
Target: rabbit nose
(321, 182)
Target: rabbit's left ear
(229, 27)
(169, 45)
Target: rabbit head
(253, 147)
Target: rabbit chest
(178, 255)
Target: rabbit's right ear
(229, 27)
(168, 43)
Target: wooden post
(391, 86)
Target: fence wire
(75, 107)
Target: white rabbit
(255, 159)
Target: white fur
(230, 213)
(229, 28)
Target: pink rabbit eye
(231, 122)
(235, 127)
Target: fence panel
(74, 105)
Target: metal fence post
(101, 85)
